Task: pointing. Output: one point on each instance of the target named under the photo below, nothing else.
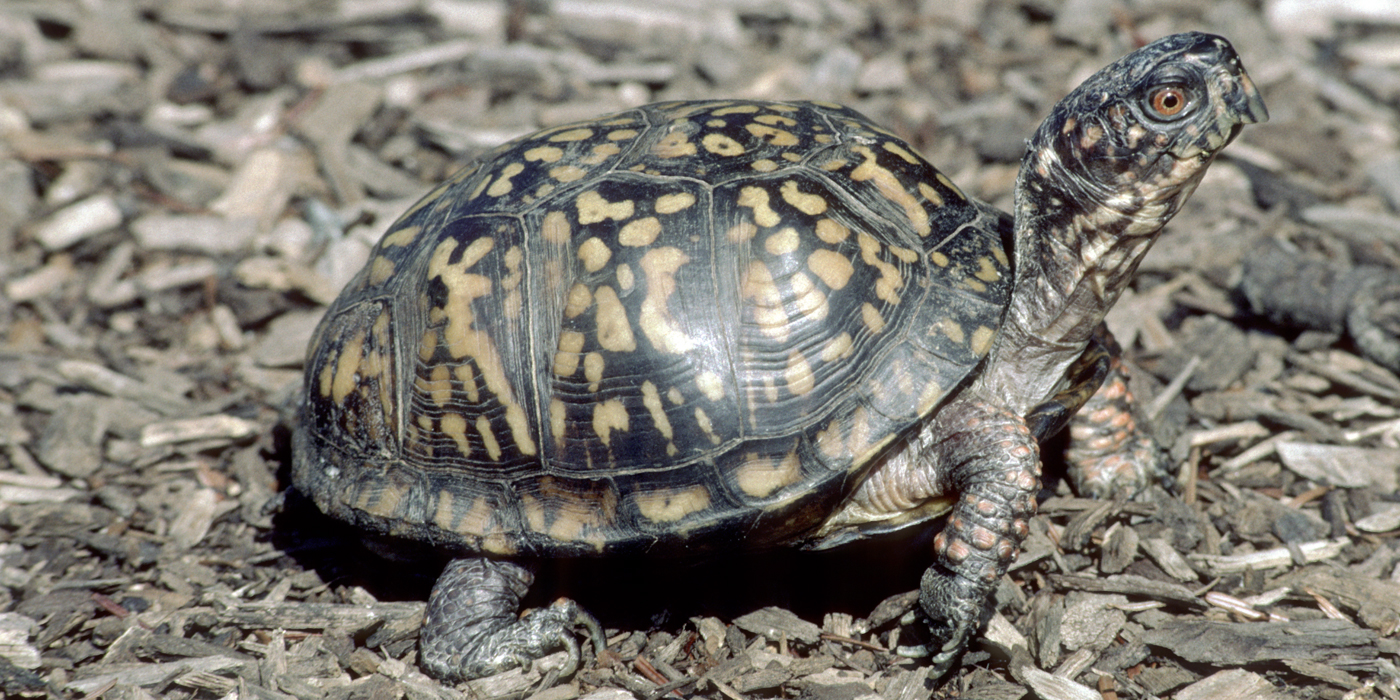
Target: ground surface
(185, 183)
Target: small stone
(194, 518)
(1383, 520)
(1345, 467)
(284, 343)
(78, 222)
(775, 623)
(203, 233)
(884, 73)
(72, 440)
(217, 427)
(42, 282)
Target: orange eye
(1168, 101)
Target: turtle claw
(471, 629)
(954, 608)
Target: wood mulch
(184, 185)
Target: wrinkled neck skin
(1077, 247)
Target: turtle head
(1144, 129)
(1112, 164)
(1102, 175)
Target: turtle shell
(687, 324)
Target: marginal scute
(671, 505)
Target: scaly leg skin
(991, 460)
(1111, 453)
(472, 629)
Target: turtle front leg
(472, 629)
(990, 459)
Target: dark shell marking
(665, 326)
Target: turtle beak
(1246, 101)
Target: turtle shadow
(633, 592)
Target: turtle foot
(471, 628)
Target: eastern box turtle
(739, 324)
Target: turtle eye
(1168, 101)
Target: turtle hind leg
(472, 628)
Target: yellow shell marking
(775, 120)
(710, 385)
(347, 368)
(672, 203)
(809, 301)
(982, 340)
(675, 202)
(736, 109)
(601, 152)
(567, 173)
(899, 150)
(488, 438)
(327, 375)
(722, 145)
(594, 253)
(987, 272)
(625, 279)
(758, 287)
(837, 348)
(674, 145)
(931, 194)
(756, 198)
(465, 341)
(651, 398)
(455, 426)
(592, 208)
(567, 357)
(872, 318)
(572, 135)
(833, 268)
(943, 180)
(580, 298)
(401, 237)
(381, 269)
(557, 417)
(775, 137)
(640, 232)
(702, 419)
(502, 184)
(886, 288)
(889, 186)
(807, 203)
(741, 232)
(764, 165)
(760, 477)
(614, 330)
(670, 505)
(798, 375)
(593, 366)
(467, 377)
(951, 329)
(622, 134)
(438, 386)
(547, 154)
(608, 416)
(831, 231)
(782, 242)
(938, 258)
(383, 502)
(660, 266)
(555, 227)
